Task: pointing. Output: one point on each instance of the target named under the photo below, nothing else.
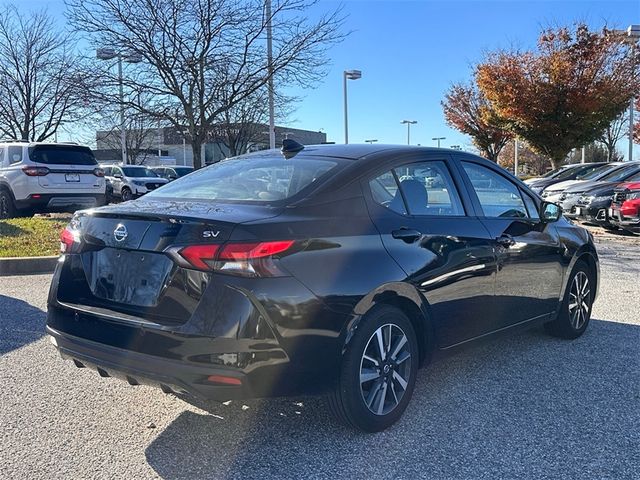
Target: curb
(27, 265)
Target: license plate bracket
(72, 177)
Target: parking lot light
(348, 75)
(408, 123)
(128, 57)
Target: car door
(528, 251)
(428, 226)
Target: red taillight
(247, 251)
(200, 256)
(254, 259)
(98, 172)
(35, 171)
(67, 238)
(224, 380)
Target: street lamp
(348, 75)
(438, 140)
(373, 140)
(110, 54)
(633, 32)
(184, 133)
(408, 123)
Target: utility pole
(272, 120)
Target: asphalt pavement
(527, 406)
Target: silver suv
(131, 181)
(39, 177)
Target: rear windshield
(62, 155)
(138, 172)
(553, 173)
(253, 179)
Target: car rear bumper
(53, 201)
(136, 368)
(229, 334)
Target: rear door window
(62, 155)
(428, 189)
(385, 191)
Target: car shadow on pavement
(20, 323)
(528, 406)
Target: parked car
(554, 192)
(333, 277)
(569, 174)
(132, 181)
(591, 200)
(172, 173)
(625, 208)
(550, 174)
(43, 177)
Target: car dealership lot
(528, 406)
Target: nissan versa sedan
(336, 270)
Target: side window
(498, 196)
(117, 171)
(532, 207)
(384, 191)
(429, 189)
(15, 154)
(2, 158)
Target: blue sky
(410, 51)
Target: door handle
(406, 235)
(505, 240)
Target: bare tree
(193, 51)
(610, 137)
(40, 87)
(245, 123)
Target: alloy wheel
(384, 369)
(4, 206)
(579, 300)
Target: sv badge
(210, 234)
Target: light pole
(373, 140)
(408, 123)
(633, 32)
(438, 140)
(348, 75)
(272, 121)
(110, 54)
(515, 156)
(184, 133)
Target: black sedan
(335, 270)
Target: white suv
(131, 181)
(48, 176)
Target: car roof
(357, 151)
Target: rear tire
(378, 372)
(7, 207)
(575, 310)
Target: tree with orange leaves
(564, 94)
(636, 125)
(468, 111)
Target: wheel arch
(405, 298)
(587, 254)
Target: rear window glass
(620, 174)
(253, 179)
(62, 155)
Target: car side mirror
(172, 177)
(550, 212)
(117, 175)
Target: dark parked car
(575, 172)
(590, 201)
(316, 271)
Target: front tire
(575, 310)
(126, 194)
(378, 372)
